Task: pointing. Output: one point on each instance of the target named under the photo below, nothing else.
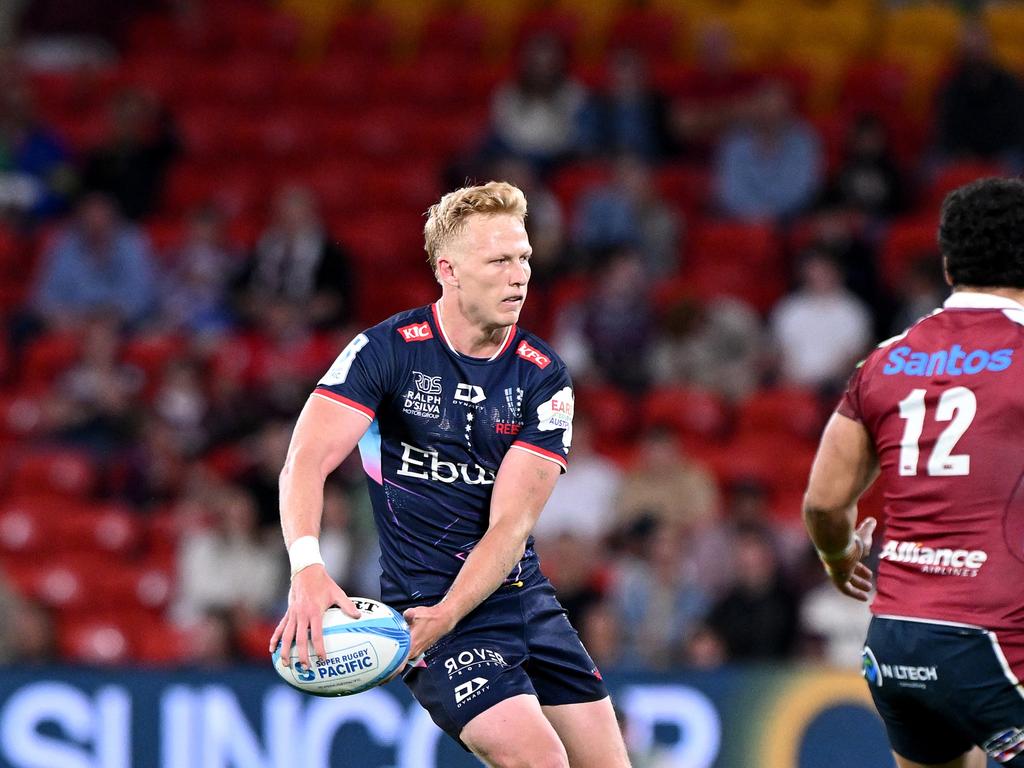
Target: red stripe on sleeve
(345, 401)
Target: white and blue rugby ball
(361, 653)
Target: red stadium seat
(458, 30)
(956, 175)
(56, 471)
(792, 411)
(153, 353)
(688, 411)
(25, 525)
(756, 246)
(383, 241)
(907, 241)
(366, 31)
(612, 414)
(685, 186)
(777, 461)
(574, 181)
(21, 413)
(92, 641)
(47, 357)
(160, 642)
(649, 30)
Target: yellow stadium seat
(757, 28)
(935, 26)
(1005, 23)
(826, 66)
(841, 27)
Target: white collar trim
(448, 341)
(979, 300)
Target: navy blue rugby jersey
(440, 425)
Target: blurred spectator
(981, 105)
(770, 164)
(628, 213)
(296, 261)
(180, 402)
(156, 469)
(838, 623)
(36, 175)
(717, 345)
(757, 618)
(658, 603)
(573, 565)
(821, 330)
(336, 544)
(131, 163)
(536, 116)
(95, 401)
(628, 115)
(921, 292)
(600, 631)
(26, 629)
(582, 502)
(705, 649)
(545, 224)
(608, 335)
(868, 181)
(230, 565)
(268, 449)
(213, 640)
(194, 288)
(98, 262)
(710, 96)
(665, 484)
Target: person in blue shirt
(463, 422)
(98, 263)
(770, 165)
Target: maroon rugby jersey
(944, 405)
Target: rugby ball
(361, 653)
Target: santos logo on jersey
(941, 561)
(952, 362)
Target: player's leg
(590, 733)
(515, 734)
(973, 759)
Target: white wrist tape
(304, 552)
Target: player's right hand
(849, 573)
(313, 591)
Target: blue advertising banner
(244, 717)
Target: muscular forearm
(491, 560)
(301, 499)
(831, 530)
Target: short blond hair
(446, 218)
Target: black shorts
(943, 688)
(518, 641)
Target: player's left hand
(848, 573)
(428, 624)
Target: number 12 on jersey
(957, 405)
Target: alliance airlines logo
(946, 362)
(940, 561)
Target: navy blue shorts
(943, 688)
(518, 641)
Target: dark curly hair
(981, 233)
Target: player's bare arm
(843, 469)
(324, 436)
(521, 489)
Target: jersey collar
(978, 300)
(505, 343)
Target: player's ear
(446, 272)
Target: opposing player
(939, 412)
(463, 422)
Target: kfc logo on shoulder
(527, 352)
(416, 332)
